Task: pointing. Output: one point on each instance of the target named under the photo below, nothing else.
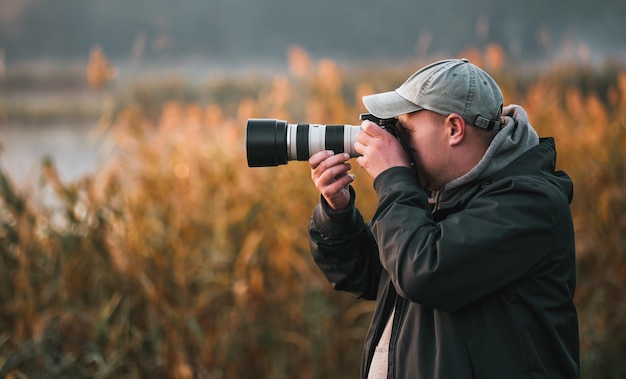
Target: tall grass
(177, 260)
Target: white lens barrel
(304, 140)
(317, 138)
(349, 138)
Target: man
(470, 252)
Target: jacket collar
(539, 160)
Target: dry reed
(176, 260)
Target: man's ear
(456, 128)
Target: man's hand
(330, 175)
(379, 150)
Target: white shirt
(380, 361)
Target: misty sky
(344, 29)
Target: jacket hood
(515, 138)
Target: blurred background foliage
(175, 260)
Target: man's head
(444, 87)
(449, 112)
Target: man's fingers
(369, 134)
(334, 173)
(371, 128)
(329, 172)
(335, 185)
(327, 159)
(319, 157)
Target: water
(75, 149)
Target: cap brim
(388, 105)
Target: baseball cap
(444, 87)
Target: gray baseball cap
(444, 87)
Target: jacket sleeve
(343, 247)
(501, 234)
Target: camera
(272, 142)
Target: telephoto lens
(275, 142)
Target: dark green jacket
(482, 281)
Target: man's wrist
(337, 222)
